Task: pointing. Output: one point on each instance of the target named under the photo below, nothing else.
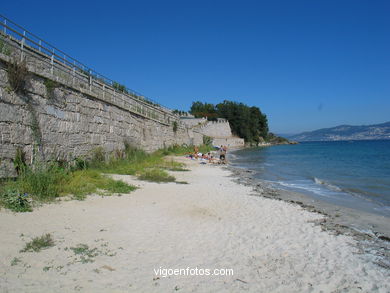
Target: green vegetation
(156, 175)
(35, 128)
(85, 72)
(15, 261)
(119, 87)
(17, 73)
(199, 110)
(50, 85)
(86, 254)
(39, 243)
(274, 139)
(149, 167)
(175, 126)
(4, 48)
(42, 183)
(207, 140)
(118, 186)
(15, 201)
(17, 76)
(20, 161)
(183, 149)
(179, 112)
(247, 122)
(83, 182)
(45, 182)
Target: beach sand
(210, 223)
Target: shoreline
(212, 222)
(374, 226)
(371, 230)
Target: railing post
(73, 72)
(104, 90)
(90, 80)
(52, 63)
(5, 28)
(40, 45)
(22, 46)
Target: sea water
(355, 174)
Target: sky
(305, 64)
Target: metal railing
(67, 69)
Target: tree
(199, 110)
(246, 122)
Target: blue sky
(306, 64)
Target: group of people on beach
(211, 157)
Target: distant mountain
(346, 132)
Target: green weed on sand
(83, 182)
(45, 182)
(156, 175)
(39, 243)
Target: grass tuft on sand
(39, 243)
(156, 175)
(83, 182)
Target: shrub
(156, 175)
(98, 156)
(4, 48)
(86, 254)
(174, 126)
(20, 161)
(80, 164)
(207, 140)
(183, 149)
(13, 200)
(119, 87)
(44, 182)
(39, 243)
(15, 261)
(17, 76)
(118, 186)
(134, 154)
(88, 181)
(81, 183)
(50, 85)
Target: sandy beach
(212, 224)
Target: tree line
(246, 122)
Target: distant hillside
(346, 132)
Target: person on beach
(196, 152)
(222, 154)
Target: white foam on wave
(306, 186)
(268, 164)
(327, 184)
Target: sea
(354, 174)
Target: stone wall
(192, 122)
(216, 129)
(219, 131)
(229, 142)
(72, 123)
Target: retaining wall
(72, 122)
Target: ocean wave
(325, 190)
(361, 194)
(307, 187)
(327, 184)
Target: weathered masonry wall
(219, 131)
(73, 122)
(216, 129)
